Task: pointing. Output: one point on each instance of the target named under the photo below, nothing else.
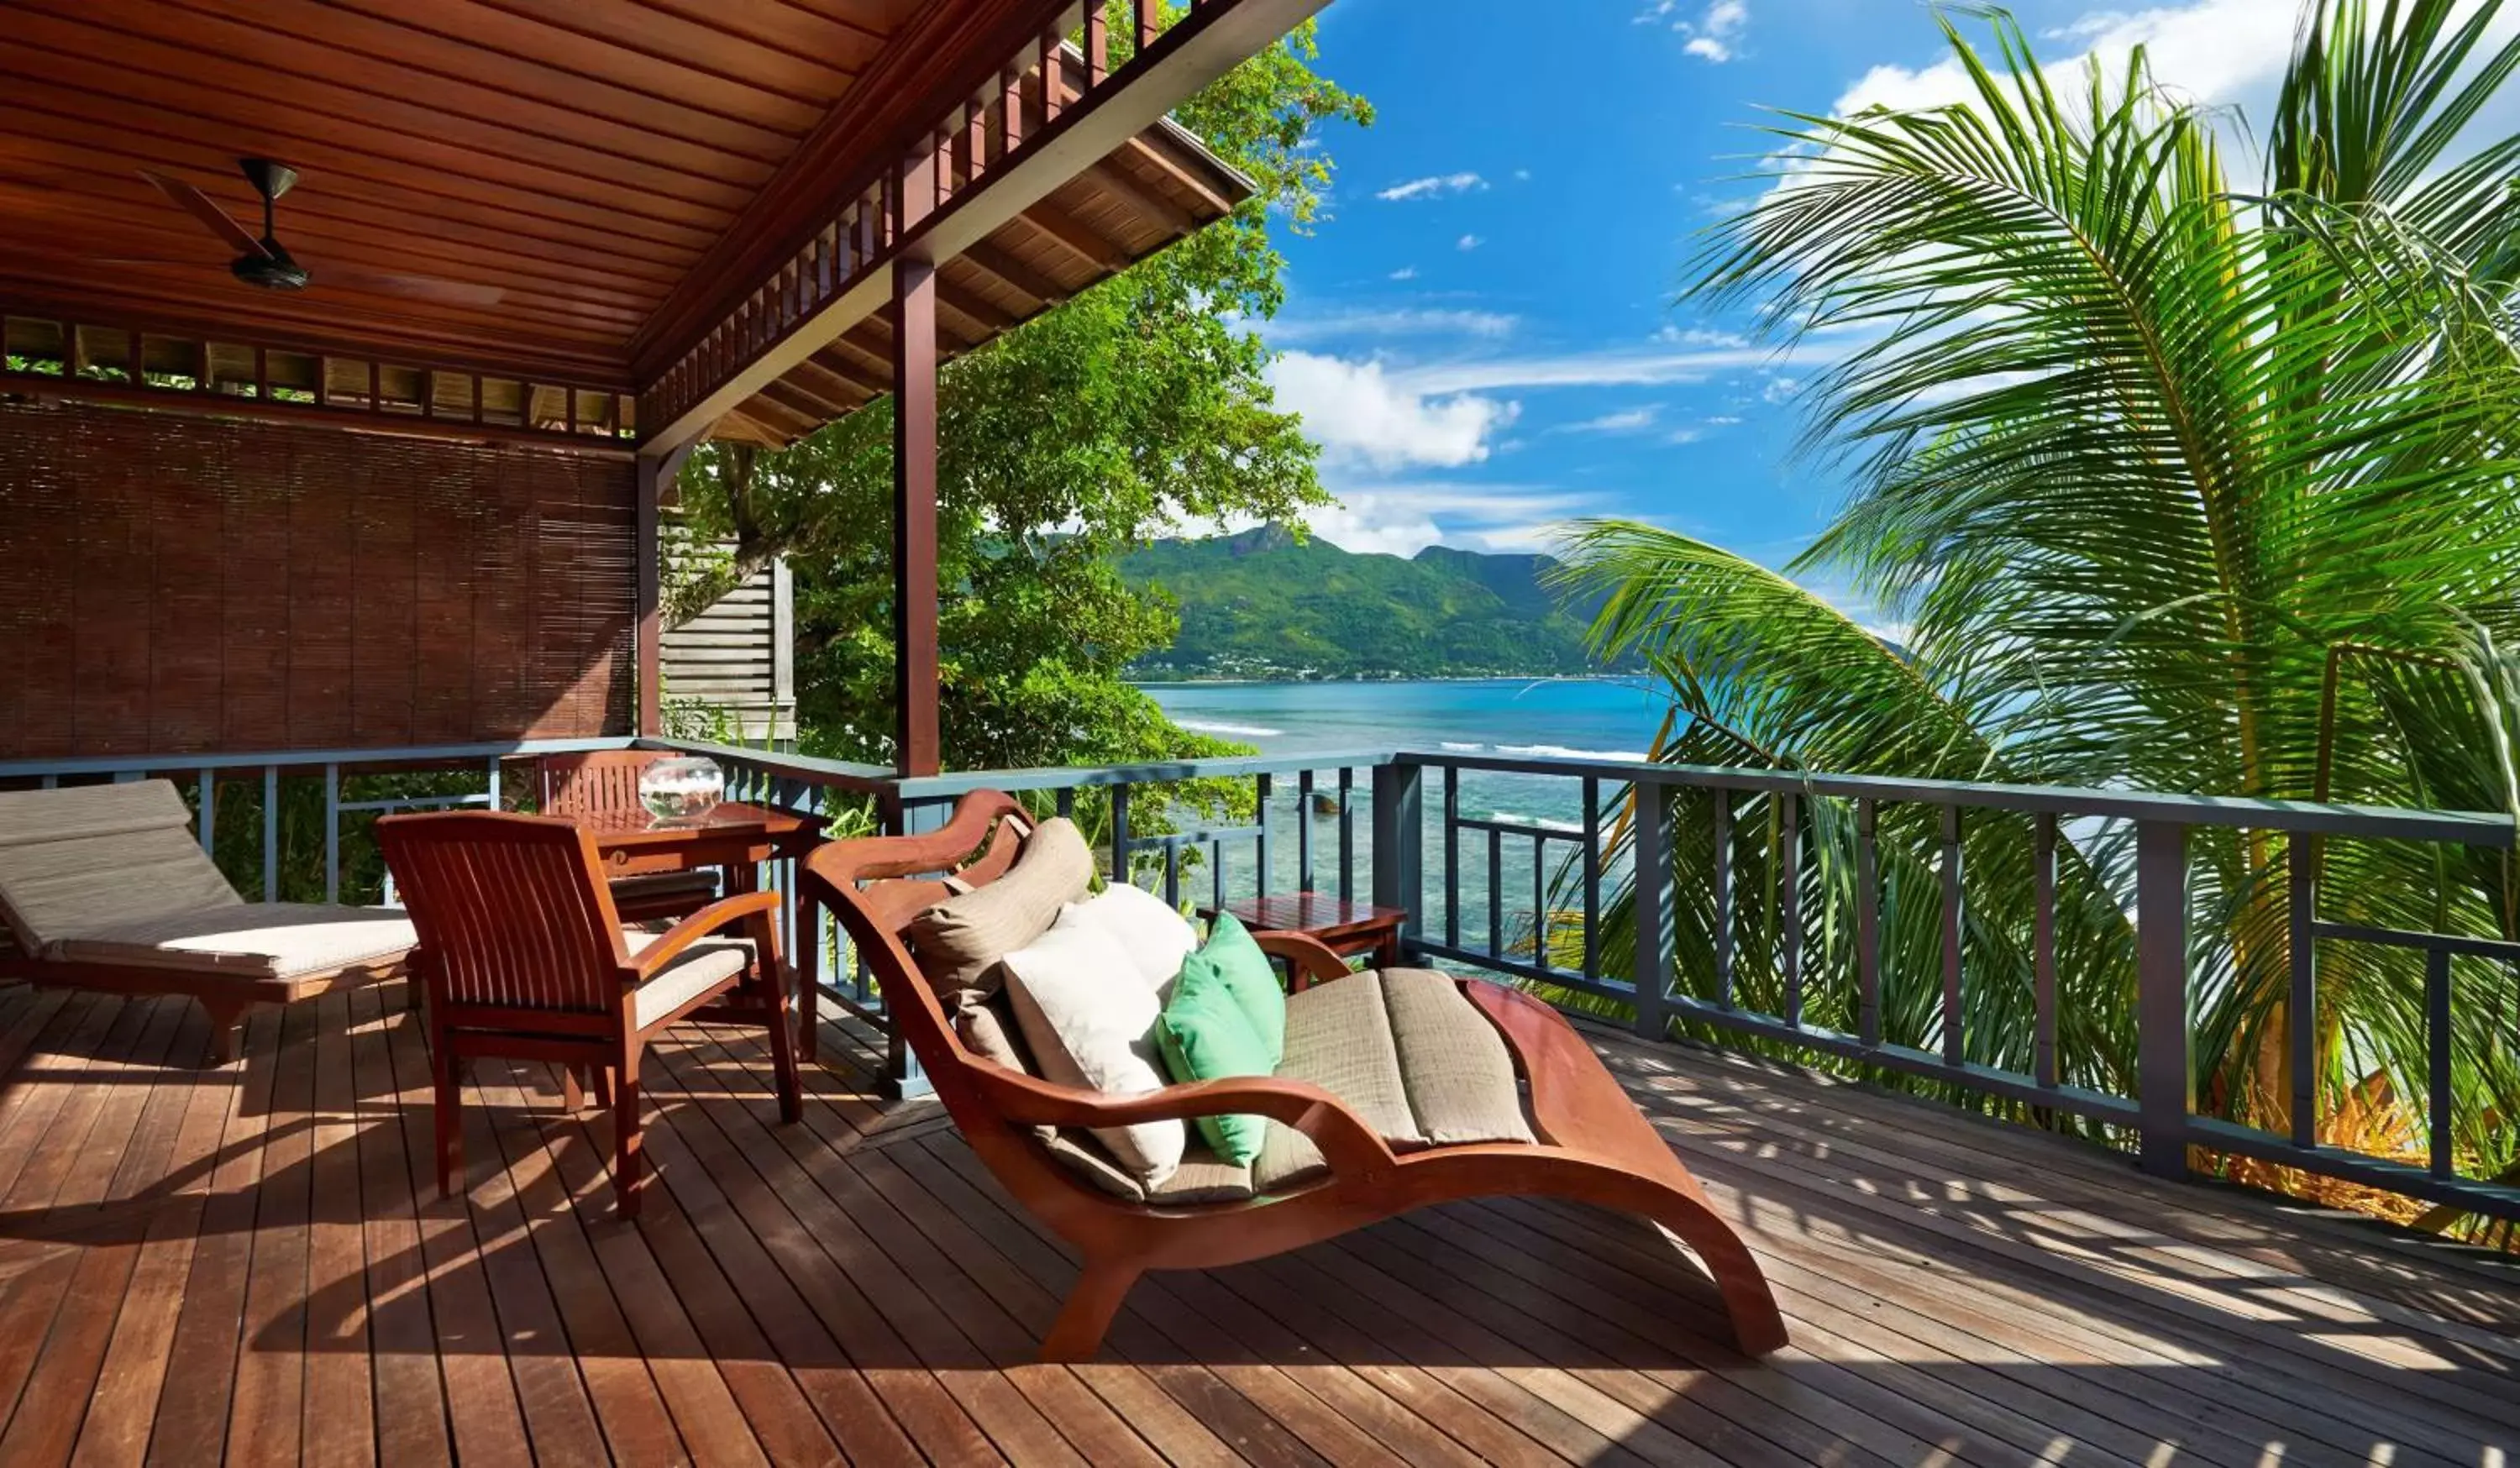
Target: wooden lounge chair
(606, 781)
(1335, 1165)
(524, 955)
(105, 887)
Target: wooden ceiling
(574, 173)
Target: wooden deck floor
(253, 1261)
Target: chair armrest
(1346, 1143)
(722, 913)
(1309, 961)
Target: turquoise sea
(1525, 718)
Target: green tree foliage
(2139, 454)
(1100, 424)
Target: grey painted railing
(1363, 823)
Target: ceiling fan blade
(202, 207)
(428, 287)
(191, 262)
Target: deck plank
(253, 1262)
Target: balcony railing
(1532, 899)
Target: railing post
(1399, 844)
(2165, 1079)
(904, 1079)
(1656, 954)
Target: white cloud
(1716, 32)
(1627, 421)
(1615, 368)
(1684, 435)
(1522, 175)
(1359, 413)
(1468, 242)
(2211, 50)
(1782, 389)
(1699, 337)
(1404, 272)
(1401, 321)
(1403, 518)
(1433, 186)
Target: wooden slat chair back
(1592, 1144)
(473, 887)
(524, 954)
(606, 781)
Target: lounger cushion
(960, 940)
(1411, 1057)
(1154, 936)
(81, 859)
(249, 939)
(664, 886)
(1089, 1020)
(709, 961)
(1202, 1176)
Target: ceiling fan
(266, 263)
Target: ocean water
(1523, 718)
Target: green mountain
(1261, 605)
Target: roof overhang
(642, 198)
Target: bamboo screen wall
(172, 584)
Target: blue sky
(1481, 332)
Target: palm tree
(2138, 455)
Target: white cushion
(1089, 1016)
(1155, 938)
(252, 940)
(709, 962)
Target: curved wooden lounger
(1594, 1146)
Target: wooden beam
(991, 318)
(830, 384)
(1003, 264)
(1074, 236)
(850, 366)
(1114, 180)
(1137, 149)
(1202, 45)
(916, 740)
(782, 406)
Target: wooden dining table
(732, 835)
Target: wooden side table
(1349, 929)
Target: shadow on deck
(256, 1260)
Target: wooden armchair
(606, 781)
(524, 954)
(1340, 1161)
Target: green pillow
(1246, 973)
(1209, 1029)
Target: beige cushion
(81, 859)
(249, 939)
(709, 962)
(1089, 1020)
(960, 940)
(1156, 936)
(1411, 1057)
(1456, 1067)
(1202, 1176)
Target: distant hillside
(1259, 604)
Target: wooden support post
(656, 477)
(916, 746)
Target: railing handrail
(2309, 817)
(932, 788)
(812, 770)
